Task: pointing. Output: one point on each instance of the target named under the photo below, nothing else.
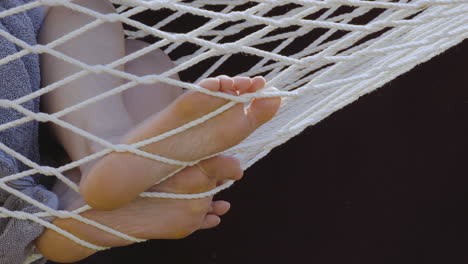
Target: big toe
(202, 177)
(261, 110)
(212, 84)
(221, 168)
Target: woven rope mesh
(321, 55)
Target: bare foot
(118, 178)
(146, 218)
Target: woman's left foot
(145, 218)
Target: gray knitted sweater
(17, 79)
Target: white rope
(345, 61)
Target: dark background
(383, 180)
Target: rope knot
(46, 170)
(97, 68)
(38, 49)
(113, 17)
(231, 47)
(148, 79)
(121, 148)
(42, 117)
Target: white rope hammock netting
(320, 54)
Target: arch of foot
(320, 54)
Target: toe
(210, 221)
(227, 84)
(257, 84)
(219, 208)
(262, 110)
(203, 177)
(211, 84)
(188, 181)
(242, 84)
(221, 168)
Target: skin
(145, 218)
(111, 185)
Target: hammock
(321, 54)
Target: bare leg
(145, 100)
(149, 218)
(145, 218)
(100, 45)
(110, 119)
(141, 101)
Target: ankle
(94, 147)
(114, 138)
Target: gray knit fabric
(17, 79)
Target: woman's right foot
(145, 218)
(118, 178)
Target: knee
(101, 6)
(63, 13)
(155, 61)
